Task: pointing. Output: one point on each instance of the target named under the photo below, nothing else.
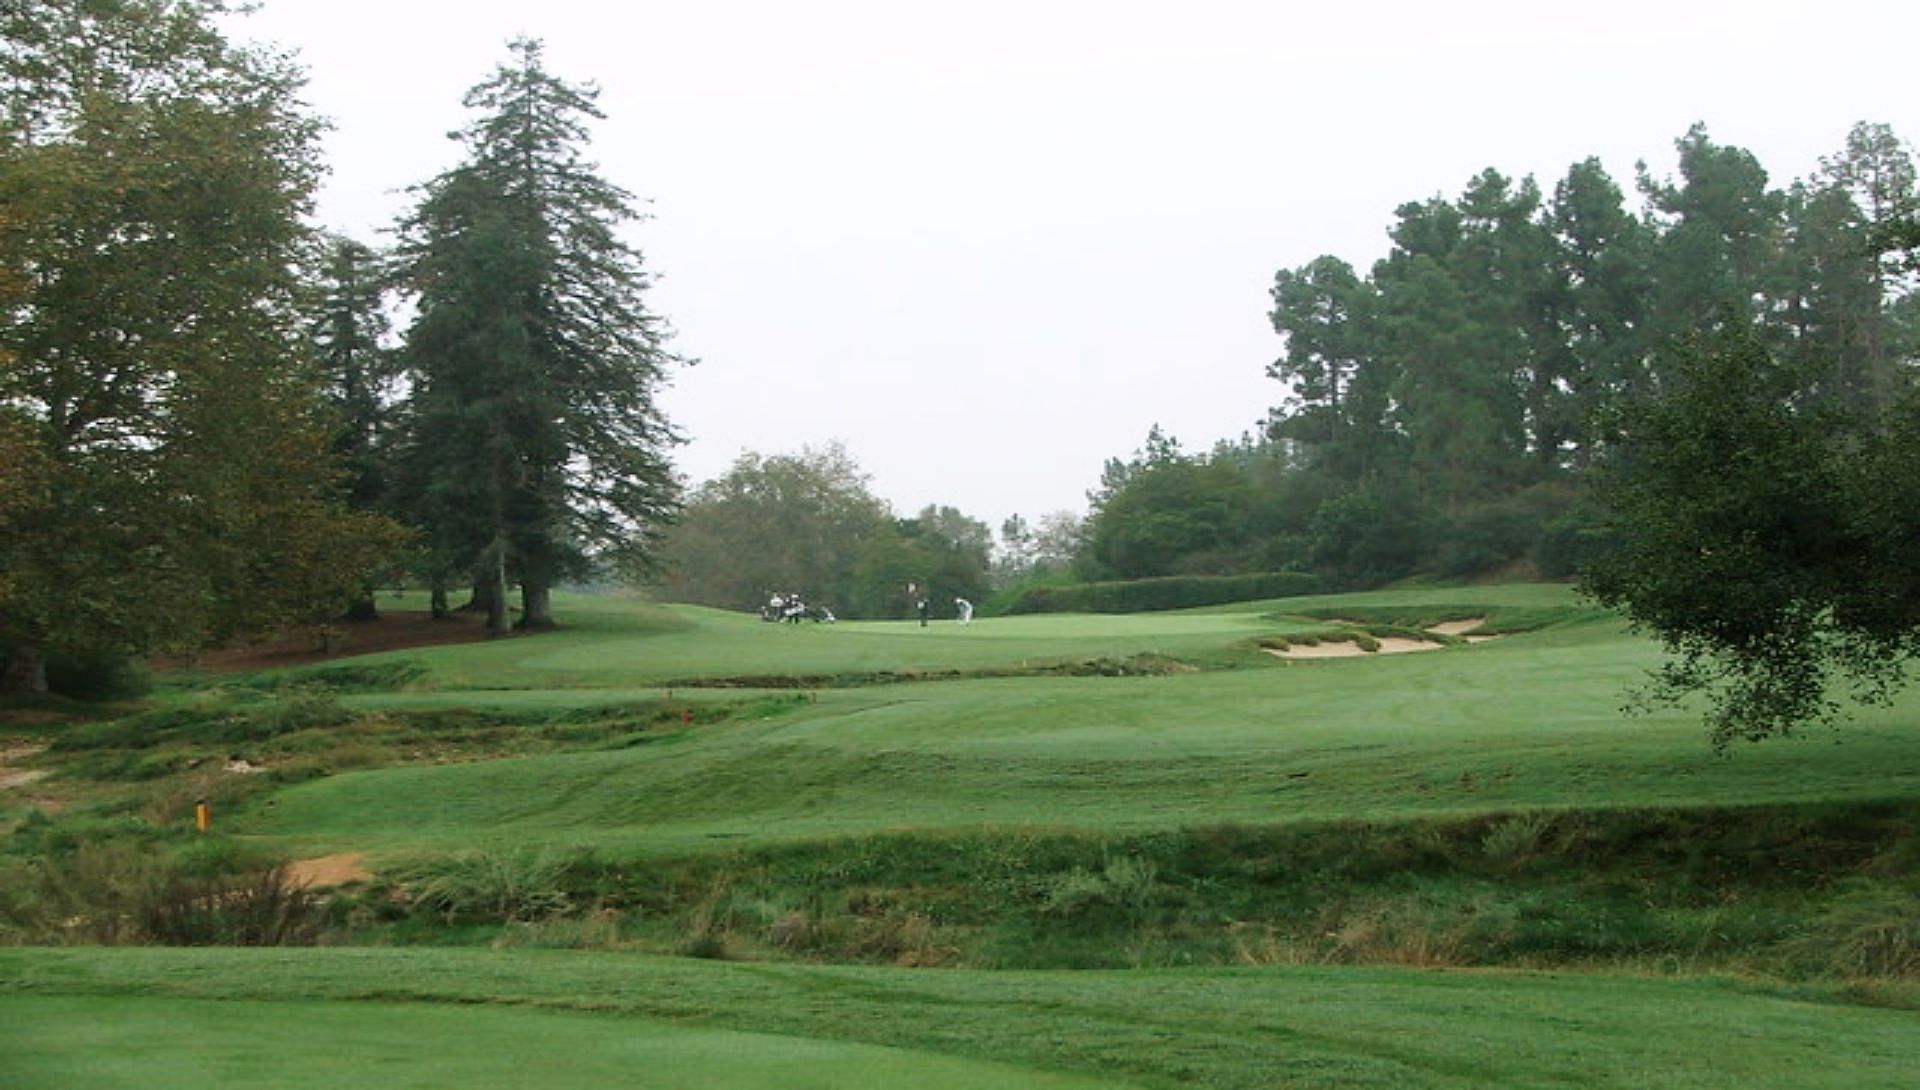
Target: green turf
(619, 643)
(1532, 720)
(384, 1017)
(203, 1044)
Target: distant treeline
(1442, 410)
(1438, 415)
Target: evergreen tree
(1598, 300)
(1830, 314)
(350, 334)
(1337, 379)
(1452, 332)
(537, 445)
(1877, 170)
(1716, 258)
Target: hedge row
(1169, 592)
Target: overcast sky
(988, 245)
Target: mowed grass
(191, 1044)
(615, 643)
(337, 1017)
(1530, 721)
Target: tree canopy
(178, 488)
(536, 447)
(1439, 411)
(809, 524)
(1763, 532)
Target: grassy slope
(1221, 1028)
(1530, 721)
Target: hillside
(1143, 793)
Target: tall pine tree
(537, 446)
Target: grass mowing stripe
(1324, 1027)
(200, 1044)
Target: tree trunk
(26, 670)
(480, 601)
(437, 600)
(498, 624)
(363, 608)
(536, 609)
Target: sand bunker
(328, 871)
(1388, 645)
(1461, 628)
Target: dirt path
(11, 777)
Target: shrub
(96, 675)
(1125, 883)
(1484, 539)
(1367, 538)
(129, 894)
(1570, 541)
(1167, 592)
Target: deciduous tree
(1765, 535)
(784, 523)
(154, 178)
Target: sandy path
(11, 777)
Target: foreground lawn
(286, 1018)
(191, 1044)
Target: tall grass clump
(1123, 885)
(496, 887)
(1870, 930)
